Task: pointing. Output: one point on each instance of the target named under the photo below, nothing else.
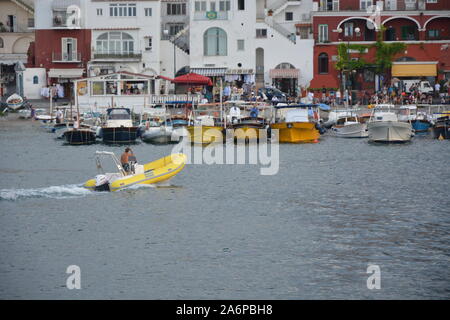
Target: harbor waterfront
(226, 231)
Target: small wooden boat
(80, 136)
(297, 123)
(14, 101)
(150, 173)
(247, 129)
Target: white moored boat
(384, 126)
(350, 127)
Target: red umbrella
(193, 78)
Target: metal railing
(66, 57)
(117, 55)
(62, 19)
(19, 28)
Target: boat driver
(125, 160)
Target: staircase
(280, 5)
(281, 30)
(24, 5)
(181, 39)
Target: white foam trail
(54, 192)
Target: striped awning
(284, 73)
(209, 72)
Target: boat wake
(53, 192)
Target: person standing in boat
(76, 123)
(59, 115)
(125, 159)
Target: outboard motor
(101, 183)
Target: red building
(423, 25)
(62, 46)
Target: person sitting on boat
(76, 123)
(254, 112)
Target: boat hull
(389, 131)
(297, 132)
(80, 137)
(119, 134)
(154, 172)
(354, 130)
(205, 134)
(421, 125)
(441, 129)
(160, 135)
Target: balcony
(117, 56)
(64, 20)
(18, 28)
(210, 15)
(64, 57)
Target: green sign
(211, 15)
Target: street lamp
(347, 78)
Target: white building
(253, 37)
(125, 37)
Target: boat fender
(289, 125)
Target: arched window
(1, 43)
(35, 80)
(115, 43)
(323, 63)
(215, 42)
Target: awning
(209, 72)
(164, 78)
(239, 71)
(65, 73)
(284, 73)
(414, 69)
(193, 78)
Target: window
(364, 4)
(261, 33)
(433, 33)
(1, 43)
(174, 28)
(408, 33)
(30, 22)
(68, 49)
(99, 12)
(323, 63)
(432, 1)
(200, 6)
(215, 42)
(224, 5)
(35, 80)
(212, 6)
(115, 43)
(241, 4)
(174, 9)
(149, 44)
(122, 10)
(289, 16)
(304, 32)
(148, 12)
(240, 45)
(348, 29)
(323, 32)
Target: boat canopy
(321, 106)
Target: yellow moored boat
(200, 134)
(150, 173)
(296, 123)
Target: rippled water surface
(225, 231)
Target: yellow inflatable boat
(150, 173)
